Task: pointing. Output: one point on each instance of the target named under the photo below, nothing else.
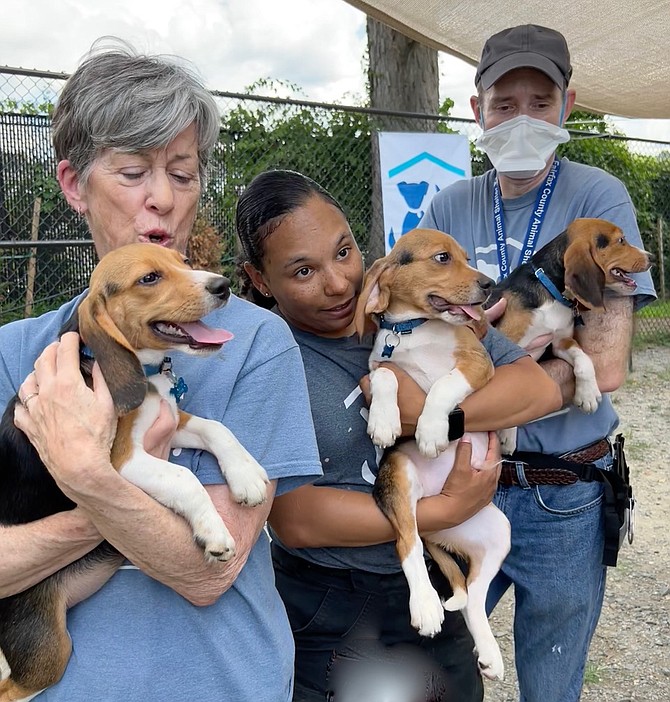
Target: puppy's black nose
(219, 287)
(485, 283)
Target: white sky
(318, 45)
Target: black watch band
(456, 424)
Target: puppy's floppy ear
(583, 276)
(120, 366)
(374, 298)
(72, 323)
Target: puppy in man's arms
(143, 301)
(546, 296)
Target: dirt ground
(630, 654)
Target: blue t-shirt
(136, 640)
(465, 210)
(348, 456)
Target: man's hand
(481, 326)
(496, 311)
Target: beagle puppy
(143, 302)
(422, 297)
(545, 297)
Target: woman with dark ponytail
(269, 198)
(333, 552)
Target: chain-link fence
(45, 255)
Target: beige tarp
(620, 49)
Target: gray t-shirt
(465, 210)
(348, 457)
(137, 640)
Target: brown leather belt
(554, 476)
(589, 453)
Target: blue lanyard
(534, 223)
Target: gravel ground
(630, 654)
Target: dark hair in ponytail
(261, 208)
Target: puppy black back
(27, 490)
(522, 281)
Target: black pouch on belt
(619, 504)
(618, 493)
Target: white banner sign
(415, 166)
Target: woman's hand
(465, 491)
(158, 440)
(411, 398)
(471, 488)
(71, 425)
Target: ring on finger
(27, 399)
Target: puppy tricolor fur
(426, 277)
(143, 301)
(545, 295)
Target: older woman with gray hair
(133, 135)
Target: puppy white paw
(426, 611)
(432, 436)
(211, 534)
(587, 396)
(247, 481)
(507, 439)
(489, 659)
(384, 426)
(457, 601)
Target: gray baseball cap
(526, 46)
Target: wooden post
(661, 259)
(32, 261)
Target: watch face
(456, 424)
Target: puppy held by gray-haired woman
(133, 135)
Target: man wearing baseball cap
(555, 563)
(527, 46)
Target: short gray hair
(120, 99)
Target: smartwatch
(456, 424)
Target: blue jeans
(555, 565)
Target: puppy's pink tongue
(470, 311)
(206, 335)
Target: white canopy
(620, 49)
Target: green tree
(606, 148)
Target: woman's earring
(267, 293)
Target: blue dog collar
(179, 387)
(397, 329)
(557, 295)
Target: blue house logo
(414, 194)
(425, 156)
